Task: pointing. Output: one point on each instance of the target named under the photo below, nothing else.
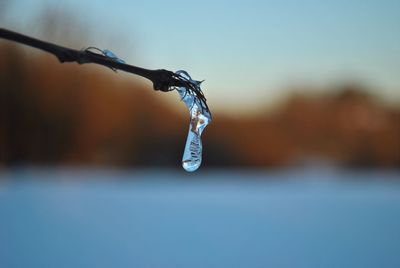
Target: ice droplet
(110, 54)
(200, 117)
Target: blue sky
(249, 52)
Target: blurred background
(301, 163)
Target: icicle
(200, 117)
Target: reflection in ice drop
(200, 117)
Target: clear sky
(247, 51)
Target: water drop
(200, 117)
(110, 54)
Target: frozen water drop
(200, 117)
(110, 54)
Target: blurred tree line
(56, 114)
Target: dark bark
(163, 80)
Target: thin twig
(163, 80)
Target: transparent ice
(200, 117)
(110, 54)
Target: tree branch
(163, 80)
